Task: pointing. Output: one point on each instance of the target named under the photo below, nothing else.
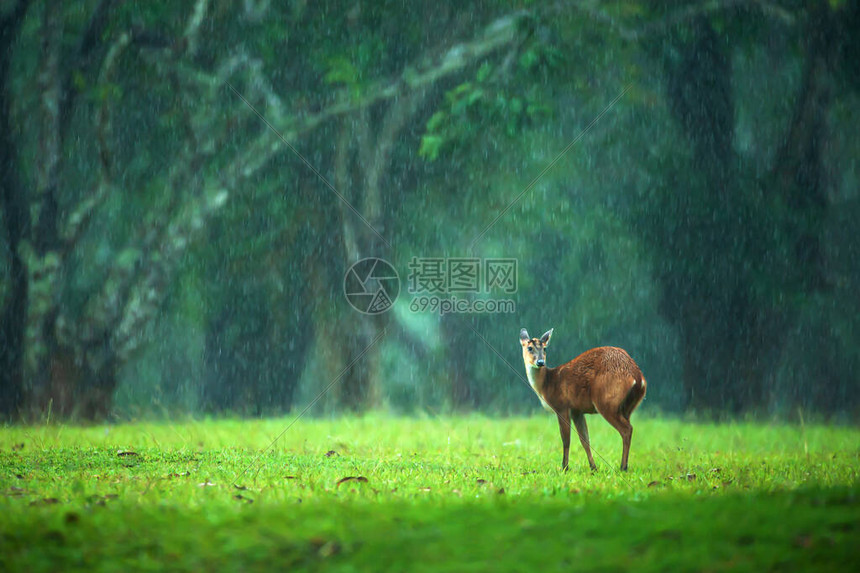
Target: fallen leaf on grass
(424, 489)
(45, 501)
(325, 547)
(206, 483)
(240, 497)
(480, 481)
(360, 479)
(690, 477)
(329, 549)
(101, 499)
(653, 483)
(16, 447)
(290, 477)
(501, 491)
(240, 487)
(126, 453)
(330, 453)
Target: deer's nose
(540, 363)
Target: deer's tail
(634, 396)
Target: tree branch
(192, 30)
(46, 213)
(90, 42)
(500, 33)
(680, 16)
(80, 218)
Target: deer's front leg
(564, 428)
(582, 430)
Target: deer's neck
(537, 380)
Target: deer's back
(605, 370)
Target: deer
(602, 380)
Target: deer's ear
(524, 336)
(546, 336)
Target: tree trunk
(355, 390)
(456, 337)
(707, 302)
(13, 313)
(732, 333)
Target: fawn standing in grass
(604, 380)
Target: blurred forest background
(164, 252)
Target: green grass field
(443, 494)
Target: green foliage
(472, 106)
(341, 70)
(507, 105)
(396, 494)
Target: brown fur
(602, 380)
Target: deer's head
(534, 349)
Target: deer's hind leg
(625, 428)
(615, 408)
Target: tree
(744, 247)
(67, 340)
